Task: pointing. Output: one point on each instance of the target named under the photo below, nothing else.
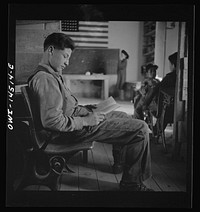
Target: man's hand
(93, 119)
(90, 107)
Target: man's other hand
(93, 119)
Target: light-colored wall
(165, 45)
(171, 44)
(127, 35)
(160, 48)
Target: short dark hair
(125, 53)
(151, 66)
(173, 58)
(59, 41)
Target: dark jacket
(167, 84)
(121, 74)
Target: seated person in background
(167, 85)
(139, 91)
(148, 83)
(64, 120)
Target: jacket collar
(48, 69)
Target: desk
(104, 78)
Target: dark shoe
(117, 168)
(134, 187)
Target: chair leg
(158, 130)
(162, 130)
(27, 175)
(57, 164)
(163, 140)
(49, 179)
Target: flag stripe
(84, 34)
(81, 29)
(91, 45)
(87, 34)
(77, 39)
(97, 23)
(92, 27)
(86, 41)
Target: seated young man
(64, 120)
(148, 83)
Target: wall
(166, 44)
(127, 35)
(171, 44)
(29, 47)
(160, 48)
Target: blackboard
(82, 60)
(93, 60)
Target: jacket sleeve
(47, 93)
(150, 95)
(168, 81)
(81, 110)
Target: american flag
(87, 34)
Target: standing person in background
(121, 72)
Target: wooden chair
(45, 164)
(165, 102)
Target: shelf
(148, 53)
(147, 23)
(150, 33)
(149, 41)
(147, 45)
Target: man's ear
(50, 49)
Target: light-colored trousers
(121, 129)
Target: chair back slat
(26, 96)
(164, 101)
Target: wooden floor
(97, 175)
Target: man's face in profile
(59, 59)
